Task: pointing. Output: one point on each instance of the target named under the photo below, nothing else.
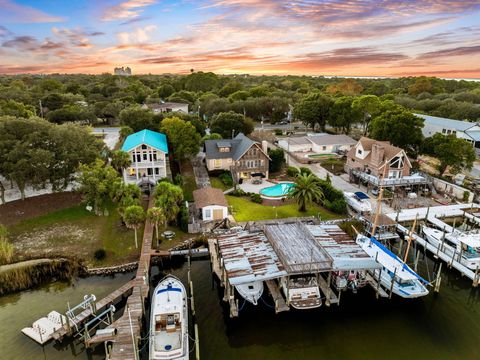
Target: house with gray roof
(243, 157)
(466, 130)
(318, 143)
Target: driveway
(111, 135)
(200, 171)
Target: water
(440, 326)
(281, 189)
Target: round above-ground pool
(277, 191)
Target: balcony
(414, 179)
(147, 164)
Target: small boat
(251, 291)
(395, 274)
(301, 291)
(358, 201)
(169, 321)
(463, 247)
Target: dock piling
(438, 279)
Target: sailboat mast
(378, 209)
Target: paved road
(111, 135)
(268, 126)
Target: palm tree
(307, 190)
(134, 216)
(120, 160)
(157, 216)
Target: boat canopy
(472, 240)
(361, 195)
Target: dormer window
(144, 147)
(224, 146)
(224, 149)
(359, 151)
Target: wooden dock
(129, 326)
(331, 297)
(214, 260)
(374, 284)
(280, 304)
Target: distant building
(469, 131)
(148, 150)
(122, 71)
(167, 107)
(243, 157)
(210, 204)
(319, 143)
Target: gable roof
(332, 140)
(209, 196)
(447, 123)
(238, 146)
(147, 137)
(389, 150)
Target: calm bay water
(440, 326)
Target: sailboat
(395, 274)
(169, 321)
(464, 247)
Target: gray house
(469, 131)
(243, 157)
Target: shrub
(305, 170)
(338, 206)
(164, 179)
(466, 195)
(292, 171)
(278, 132)
(178, 180)
(277, 157)
(183, 217)
(256, 198)
(238, 192)
(100, 254)
(6, 248)
(226, 178)
(347, 227)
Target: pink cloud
(12, 12)
(126, 10)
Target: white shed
(210, 203)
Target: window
(454, 132)
(449, 131)
(224, 149)
(156, 171)
(144, 156)
(359, 152)
(133, 157)
(154, 156)
(139, 157)
(144, 147)
(149, 171)
(217, 163)
(207, 213)
(444, 131)
(325, 148)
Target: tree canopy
(182, 136)
(230, 123)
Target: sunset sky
(312, 37)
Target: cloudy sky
(316, 37)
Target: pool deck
(255, 188)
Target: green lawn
(76, 232)
(189, 185)
(245, 210)
(217, 183)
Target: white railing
(415, 179)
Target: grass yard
(245, 210)
(166, 244)
(217, 183)
(189, 183)
(75, 231)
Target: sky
(311, 37)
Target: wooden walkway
(214, 260)
(280, 304)
(327, 290)
(125, 345)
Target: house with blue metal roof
(148, 152)
(466, 130)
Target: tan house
(210, 204)
(243, 157)
(166, 107)
(378, 158)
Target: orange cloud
(126, 10)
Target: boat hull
(169, 321)
(251, 291)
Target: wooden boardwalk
(125, 344)
(214, 260)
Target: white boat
(359, 201)
(169, 321)
(463, 247)
(301, 291)
(395, 274)
(251, 291)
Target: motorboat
(169, 321)
(394, 275)
(460, 246)
(301, 291)
(251, 291)
(358, 201)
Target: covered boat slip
(344, 251)
(470, 211)
(248, 257)
(297, 249)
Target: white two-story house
(148, 151)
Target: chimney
(378, 152)
(265, 146)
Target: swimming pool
(279, 190)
